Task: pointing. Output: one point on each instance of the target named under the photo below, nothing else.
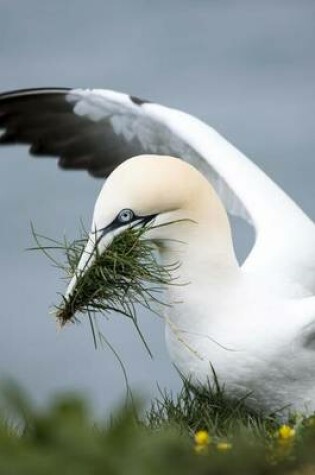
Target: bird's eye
(125, 216)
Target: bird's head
(143, 189)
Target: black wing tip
(20, 93)
(36, 90)
(139, 102)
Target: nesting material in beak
(127, 273)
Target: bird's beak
(97, 244)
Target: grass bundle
(125, 276)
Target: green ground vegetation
(196, 432)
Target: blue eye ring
(125, 216)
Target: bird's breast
(252, 346)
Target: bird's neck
(203, 244)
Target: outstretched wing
(98, 129)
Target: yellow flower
(286, 432)
(224, 446)
(202, 438)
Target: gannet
(254, 324)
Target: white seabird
(254, 324)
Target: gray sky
(247, 68)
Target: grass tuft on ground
(209, 408)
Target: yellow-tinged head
(162, 189)
(152, 184)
